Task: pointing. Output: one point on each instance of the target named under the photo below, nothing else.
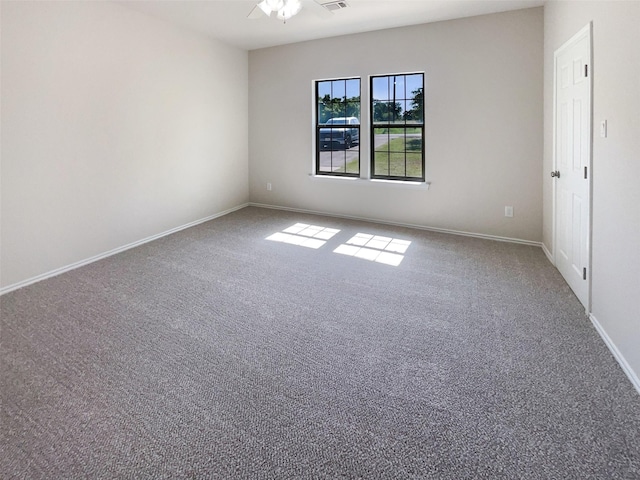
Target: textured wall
(115, 127)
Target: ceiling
(227, 20)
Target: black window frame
(319, 126)
(392, 125)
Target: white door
(572, 174)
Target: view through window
(397, 127)
(338, 127)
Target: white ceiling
(227, 20)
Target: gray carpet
(215, 353)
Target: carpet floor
(269, 344)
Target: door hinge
(585, 173)
(584, 273)
(586, 70)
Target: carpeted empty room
(319, 239)
(271, 344)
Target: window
(338, 127)
(397, 127)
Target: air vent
(333, 6)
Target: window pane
(381, 163)
(381, 112)
(398, 153)
(380, 88)
(353, 160)
(397, 165)
(344, 161)
(342, 143)
(338, 89)
(395, 111)
(417, 113)
(416, 107)
(353, 89)
(399, 87)
(414, 82)
(414, 112)
(353, 110)
(338, 162)
(324, 112)
(405, 104)
(414, 142)
(414, 165)
(387, 112)
(324, 89)
(381, 151)
(397, 143)
(381, 139)
(333, 160)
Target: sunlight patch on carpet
(304, 235)
(375, 248)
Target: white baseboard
(626, 368)
(548, 254)
(398, 224)
(115, 251)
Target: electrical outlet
(508, 211)
(269, 186)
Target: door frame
(588, 31)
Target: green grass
(351, 167)
(396, 158)
(398, 130)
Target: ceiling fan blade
(256, 13)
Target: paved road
(341, 157)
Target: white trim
(554, 160)
(548, 254)
(115, 251)
(338, 178)
(626, 368)
(370, 181)
(400, 182)
(399, 224)
(589, 307)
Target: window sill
(372, 181)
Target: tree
(338, 107)
(385, 111)
(417, 106)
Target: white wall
(115, 127)
(616, 160)
(483, 123)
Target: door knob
(556, 174)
